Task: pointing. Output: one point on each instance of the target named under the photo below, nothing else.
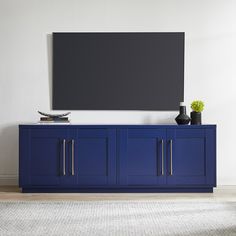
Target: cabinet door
(191, 156)
(41, 162)
(95, 156)
(141, 157)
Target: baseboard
(7, 180)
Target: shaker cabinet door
(95, 157)
(142, 157)
(41, 164)
(190, 156)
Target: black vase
(196, 118)
(182, 118)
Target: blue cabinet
(117, 158)
(41, 156)
(172, 157)
(141, 157)
(94, 156)
(68, 158)
(191, 157)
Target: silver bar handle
(162, 157)
(72, 157)
(64, 157)
(171, 157)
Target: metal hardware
(72, 157)
(171, 157)
(64, 157)
(162, 157)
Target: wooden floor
(222, 193)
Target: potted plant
(196, 115)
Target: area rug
(111, 218)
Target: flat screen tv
(118, 71)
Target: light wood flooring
(221, 193)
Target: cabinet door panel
(92, 156)
(140, 157)
(190, 155)
(95, 155)
(45, 156)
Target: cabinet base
(118, 190)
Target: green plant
(197, 106)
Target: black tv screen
(118, 71)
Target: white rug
(126, 218)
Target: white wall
(210, 71)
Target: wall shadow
(148, 120)
(167, 121)
(9, 146)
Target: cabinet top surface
(36, 125)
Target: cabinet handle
(72, 157)
(162, 157)
(171, 157)
(64, 157)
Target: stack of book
(54, 120)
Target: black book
(54, 119)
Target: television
(118, 71)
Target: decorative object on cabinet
(54, 118)
(196, 115)
(53, 115)
(117, 158)
(182, 118)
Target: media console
(117, 158)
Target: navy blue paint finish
(117, 158)
(95, 156)
(140, 156)
(189, 157)
(41, 157)
(120, 190)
